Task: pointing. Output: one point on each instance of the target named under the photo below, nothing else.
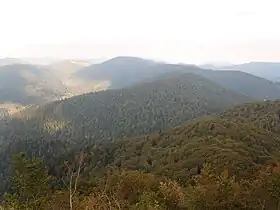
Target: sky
(189, 31)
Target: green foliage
(162, 170)
(54, 131)
(223, 191)
(209, 190)
(30, 182)
(238, 139)
(120, 189)
(125, 71)
(135, 190)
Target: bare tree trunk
(71, 174)
(70, 203)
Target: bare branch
(73, 181)
(65, 184)
(78, 173)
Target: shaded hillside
(66, 71)
(54, 129)
(245, 83)
(239, 139)
(67, 67)
(237, 81)
(138, 110)
(118, 72)
(125, 71)
(27, 84)
(268, 70)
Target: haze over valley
(137, 117)
(26, 84)
(139, 105)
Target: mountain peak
(126, 60)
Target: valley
(163, 132)
(28, 84)
(139, 105)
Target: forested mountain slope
(245, 83)
(28, 84)
(54, 129)
(137, 110)
(24, 84)
(244, 139)
(125, 71)
(240, 139)
(64, 71)
(119, 72)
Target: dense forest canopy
(125, 71)
(53, 129)
(170, 137)
(239, 148)
(239, 138)
(26, 84)
(138, 110)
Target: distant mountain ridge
(120, 71)
(67, 78)
(267, 70)
(166, 102)
(124, 71)
(106, 123)
(27, 84)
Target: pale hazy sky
(191, 31)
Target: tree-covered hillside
(119, 72)
(28, 84)
(53, 129)
(25, 84)
(245, 83)
(34, 188)
(240, 138)
(138, 110)
(125, 71)
(215, 162)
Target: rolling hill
(177, 142)
(63, 79)
(67, 69)
(241, 139)
(27, 84)
(54, 129)
(121, 72)
(141, 109)
(267, 70)
(125, 71)
(115, 73)
(244, 83)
